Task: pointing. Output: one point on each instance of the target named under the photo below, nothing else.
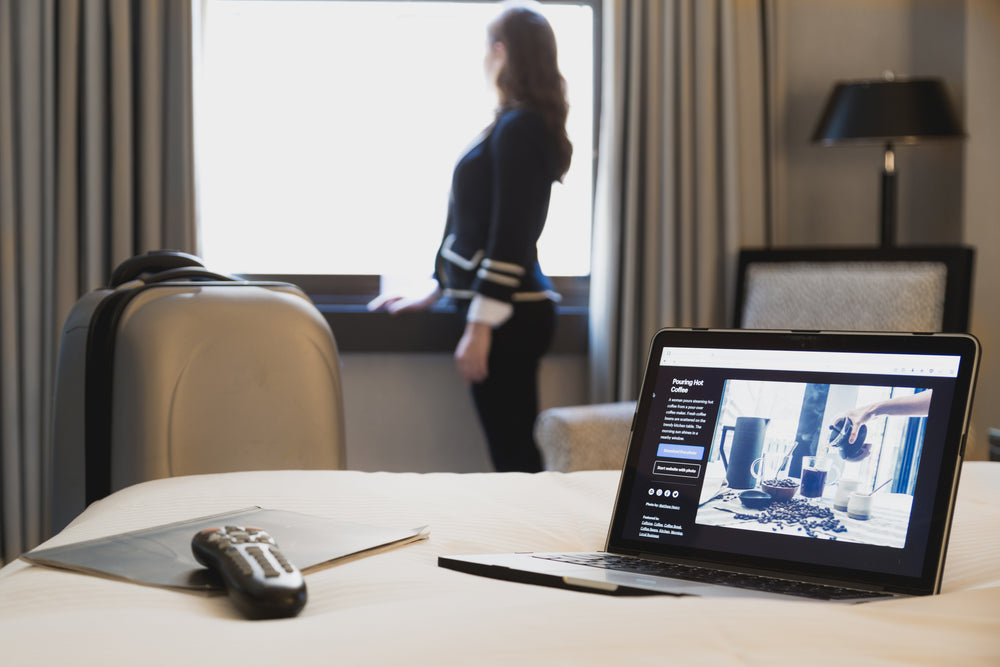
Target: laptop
(775, 463)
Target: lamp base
(889, 198)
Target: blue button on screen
(671, 451)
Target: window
(327, 132)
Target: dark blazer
(499, 201)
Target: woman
(488, 259)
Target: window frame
(342, 298)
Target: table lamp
(888, 111)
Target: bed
(398, 606)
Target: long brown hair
(530, 75)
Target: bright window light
(327, 132)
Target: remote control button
(258, 555)
(237, 533)
(282, 561)
(236, 558)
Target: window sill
(438, 330)
(343, 302)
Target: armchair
(859, 289)
(584, 437)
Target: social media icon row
(661, 492)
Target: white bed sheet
(398, 606)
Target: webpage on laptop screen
(791, 448)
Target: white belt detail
(504, 267)
(517, 296)
(498, 278)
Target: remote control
(259, 579)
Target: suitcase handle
(188, 273)
(154, 261)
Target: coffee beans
(786, 482)
(804, 516)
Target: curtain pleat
(672, 208)
(87, 165)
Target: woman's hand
(473, 352)
(401, 303)
(857, 417)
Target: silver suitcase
(176, 370)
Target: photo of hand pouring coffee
(820, 461)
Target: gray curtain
(96, 165)
(681, 180)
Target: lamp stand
(889, 198)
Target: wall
(411, 412)
(830, 195)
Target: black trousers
(507, 401)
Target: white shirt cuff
(489, 311)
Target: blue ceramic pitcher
(747, 445)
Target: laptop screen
(830, 455)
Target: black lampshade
(896, 111)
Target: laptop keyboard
(705, 575)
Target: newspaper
(161, 556)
